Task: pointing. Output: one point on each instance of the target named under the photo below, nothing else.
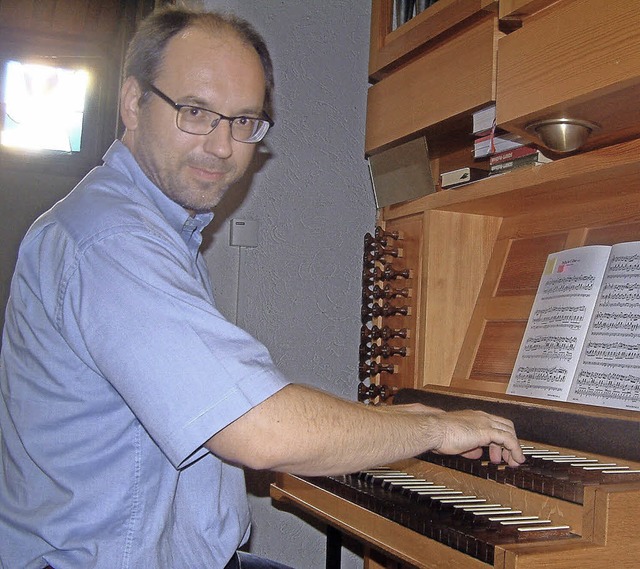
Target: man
(129, 404)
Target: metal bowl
(562, 135)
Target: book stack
(504, 150)
(488, 139)
(516, 158)
(496, 143)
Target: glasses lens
(247, 129)
(197, 121)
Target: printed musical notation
(602, 387)
(551, 347)
(582, 341)
(620, 294)
(532, 378)
(570, 284)
(614, 351)
(625, 322)
(625, 264)
(571, 316)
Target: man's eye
(195, 113)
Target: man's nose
(219, 142)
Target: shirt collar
(119, 157)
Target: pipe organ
(449, 279)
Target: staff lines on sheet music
(569, 283)
(533, 377)
(612, 320)
(552, 347)
(612, 351)
(558, 316)
(608, 386)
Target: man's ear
(129, 102)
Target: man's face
(219, 73)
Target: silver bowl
(562, 134)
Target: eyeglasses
(196, 120)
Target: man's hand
(466, 432)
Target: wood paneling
(391, 48)
(525, 261)
(579, 59)
(403, 105)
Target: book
(513, 154)
(461, 176)
(582, 339)
(527, 160)
(484, 120)
(494, 143)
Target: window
(55, 108)
(43, 106)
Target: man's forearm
(304, 431)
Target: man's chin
(203, 203)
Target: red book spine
(513, 154)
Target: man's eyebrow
(196, 101)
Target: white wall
(299, 290)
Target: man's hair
(146, 51)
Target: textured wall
(299, 290)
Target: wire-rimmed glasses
(196, 120)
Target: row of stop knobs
(382, 295)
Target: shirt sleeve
(136, 310)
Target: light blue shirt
(116, 367)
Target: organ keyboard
(564, 508)
(466, 522)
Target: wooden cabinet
(390, 48)
(536, 59)
(428, 94)
(481, 251)
(430, 73)
(478, 251)
(577, 59)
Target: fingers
(504, 444)
(498, 453)
(470, 430)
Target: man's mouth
(207, 173)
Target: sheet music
(609, 370)
(558, 324)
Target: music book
(582, 339)
(484, 120)
(496, 142)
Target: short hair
(146, 50)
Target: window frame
(38, 48)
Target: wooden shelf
(579, 178)
(429, 96)
(578, 60)
(481, 250)
(390, 49)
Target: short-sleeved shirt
(116, 367)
